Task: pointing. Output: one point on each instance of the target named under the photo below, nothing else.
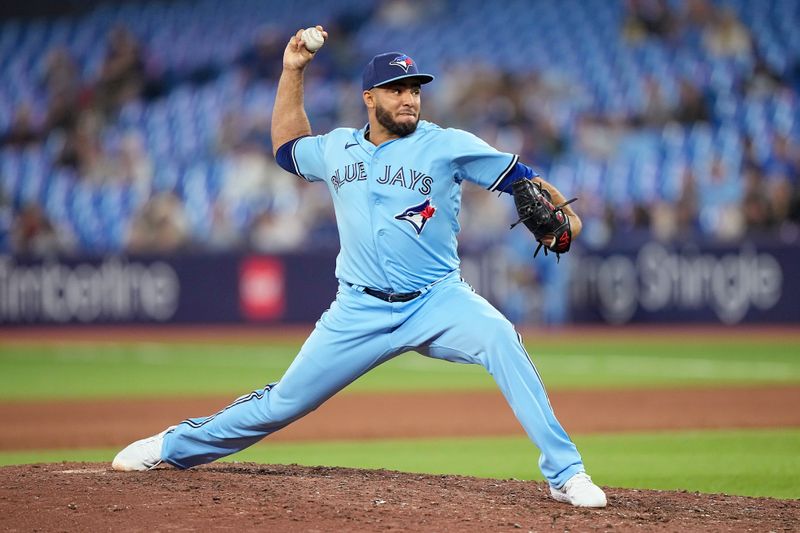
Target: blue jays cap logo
(418, 215)
(380, 70)
(402, 61)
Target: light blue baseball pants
(359, 332)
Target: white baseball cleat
(143, 454)
(580, 492)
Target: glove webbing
(523, 219)
(541, 244)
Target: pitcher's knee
(280, 411)
(498, 346)
(500, 332)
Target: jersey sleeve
(476, 161)
(308, 157)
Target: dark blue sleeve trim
(518, 172)
(504, 173)
(285, 156)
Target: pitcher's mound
(246, 497)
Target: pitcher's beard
(401, 129)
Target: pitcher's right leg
(348, 340)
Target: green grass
(85, 369)
(707, 461)
(757, 463)
(752, 463)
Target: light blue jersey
(400, 289)
(397, 204)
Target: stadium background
(137, 189)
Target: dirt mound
(244, 496)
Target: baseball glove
(545, 220)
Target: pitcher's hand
(296, 56)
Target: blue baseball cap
(389, 67)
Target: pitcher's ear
(369, 99)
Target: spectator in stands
(721, 197)
(657, 110)
(62, 113)
(692, 105)
(230, 133)
(6, 223)
(81, 149)
(726, 36)
(71, 153)
(223, 234)
(687, 209)
(62, 84)
(258, 62)
(764, 80)
(756, 208)
(599, 135)
(400, 13)
(32, 234)
(23, 130)
(247, 175)
(783, 176)
(679, 219)
(486, 221)
(648, 18)
(122, 76)
(542, 141)
(785, 156)
(697, 13)
(160, 226)
(133, 163)
(61, 73)
(319, 218)
(343, 59)
(275, 232)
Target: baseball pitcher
(396, 189)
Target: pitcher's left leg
(458, 325)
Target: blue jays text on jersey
(371, 185)
(409, 178)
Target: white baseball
(313, 39)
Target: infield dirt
(250, 497)
(116, 422)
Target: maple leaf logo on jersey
(418, 215)
(403, 61)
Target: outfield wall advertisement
(87, 291)
(647, 284)
(183, 289)
(660, 283)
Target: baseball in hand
(313, 39)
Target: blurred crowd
(257, 206)
(770, 198)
